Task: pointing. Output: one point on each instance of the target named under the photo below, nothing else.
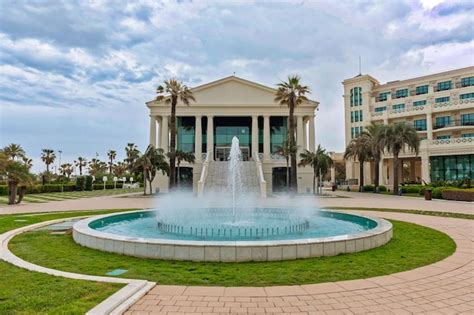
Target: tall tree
(120, 169)
(152, 161)
(376, 134)
(97, 167)
(180, 157)
(170, 92)
(48, 157)
(112, 155)
(80, 163)
(292, 93)
(399, 137)
(27, 161)
(132, 154)
(14, 151)
(359, 149)
(286, 150)
(319, 160)
(66, 169)
(18, 177)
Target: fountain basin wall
(230, 251)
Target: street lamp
(60, 153)
(104, 179)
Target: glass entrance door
(222, 153)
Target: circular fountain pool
(221, 234)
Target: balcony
(453, 123)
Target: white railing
(261, 178)
(202, 179)
(453, 141)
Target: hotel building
(223, 109)
(441, 108)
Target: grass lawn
(56, 196)
(412, 246)
(27, 292)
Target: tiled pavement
(446, 287)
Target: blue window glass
(356, 96)
(352, 133)
(443, 137)
(419, 103)
(442, 122)
(185, 134)
(443, 86)
(380, 109)
(466, 96)
(383, 96)
(398, 106)
(467, 81)
(468, 135)
(420, 124)
(360, 115)
(421, 89)
(401, 93)
(452, 167)
(467, 119)
(442, 99)
(352, 117)
(356, 117)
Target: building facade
(439, 106)
(233, 107)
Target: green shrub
(382, 188)
(411, 189)
(80, 183)
(49, 188)
(3, 190)
(438, 192)
(88, 182)
(35, 189)
(458, 194)
(69, 187)
(369, 188)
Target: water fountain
(214, 229)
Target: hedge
(458, 194)
(372, 188)
(438, 192)
(411, 189)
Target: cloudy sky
(74, 75)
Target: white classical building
(226, 108)
(441, 108)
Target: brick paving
(446, 287)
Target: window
(356, 116)
(466, 96)
(398, 106)
(360, 115)
(357, 131)
(443, 137)
(421, 89)
(401, 93)
(467, 119)
(443, 86)
(383, 96)
(423, 138)
(380, 109)
(467, 81)
(442, 122)
(420, 125)
(352, 116)
(352, 133)
(419, 103)
(452, 167)
(356, 96)
(467, 135)
(442, 99)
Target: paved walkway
(354, 200)
(446, 287)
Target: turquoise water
(218, 224)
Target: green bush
(438, 192)
(3, 190)
(49, 188)
(458, 194)
(80, 183)
(88, 182)
(369, 188)
(35, 189)
(411, 189)
(382, 188)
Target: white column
(311, 133)
(429, 126)
(425, 167)
(153, 130)
(305, 133)
(210, 137)
(254, 136)
(299, 134)
(164, 134)
(198, 139)
(333, 174)
(266, 138)
(382, 174)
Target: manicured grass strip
(412, 246)
(421, 212)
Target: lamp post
(60, 153)
(115, 182)
(93, 180)
(131, 182)
(104, 179)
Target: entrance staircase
(218, 175)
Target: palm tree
(17, 174)
(398, 138)
(96, 167)
(66, 170)
(132, 155)
(183, 156)
(120, 169)
(27, 161)
(292, 94)
(286, 150)
(149, 163)
(112, 155)
(13, 151)
(376, 134)
(359, 149)
(320, 161)
(80, 162)
(48, 157)
(170, 93)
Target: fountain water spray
(235, 180)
